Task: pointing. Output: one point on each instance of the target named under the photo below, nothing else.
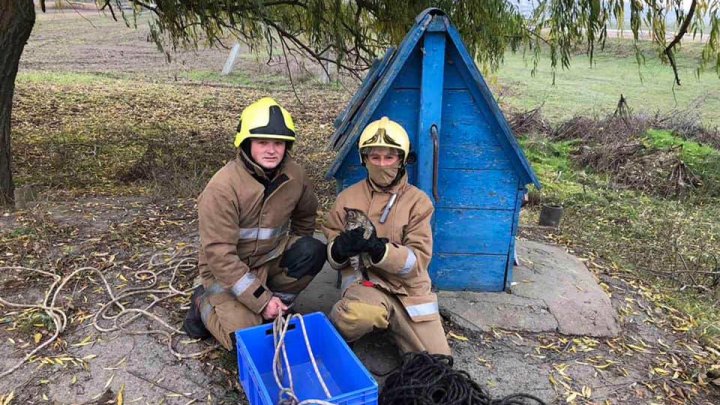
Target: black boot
(193, 324)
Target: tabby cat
(354, 219)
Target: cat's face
(352, 214)
(354, 218)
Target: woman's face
(383, 157)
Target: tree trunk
(17, 18)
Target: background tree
(17, 18)
(351, 33)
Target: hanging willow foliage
(352, 33)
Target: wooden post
(326, 73)
(230, 62)
(431, 100)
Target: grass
(587, 89)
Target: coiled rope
(183, 260)
(429, 379)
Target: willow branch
(676, 40)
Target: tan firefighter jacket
(242, 228)
(403, 270)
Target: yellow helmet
(265, 118)
(385, 133)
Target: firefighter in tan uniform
(256, 217)
(398, 294)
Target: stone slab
(497, 310)
(552, 290)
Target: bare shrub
(609, 129)
(687, 124)
(635, 166)
(529, 122)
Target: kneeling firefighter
(256, 218)
(397, 294)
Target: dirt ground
(654, 360)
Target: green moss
(703, 160)
(691, 151)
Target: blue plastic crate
(347, 379)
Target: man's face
(268, 153)
(381, 156)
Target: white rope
(280, 328)
(181, 260)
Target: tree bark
(17, 18)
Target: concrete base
(552, 291)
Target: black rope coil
(429, 379)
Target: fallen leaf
(9, 398)
(120, 395)
(458, 337)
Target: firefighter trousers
(364, 309)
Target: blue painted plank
(401, 106)
(453, 80)
(431, 104)
(472, 231)
(483, 96)
(469, 140)
(465, 121)
(409, 77)
(351, 174)
(481, 189)
(473, 156)
(439, 23)
(468, 272)
(511, 256)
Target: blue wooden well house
(468, 160)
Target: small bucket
(550, 215)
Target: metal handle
(436, 160)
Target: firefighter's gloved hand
(348, 243)
(376, 247)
